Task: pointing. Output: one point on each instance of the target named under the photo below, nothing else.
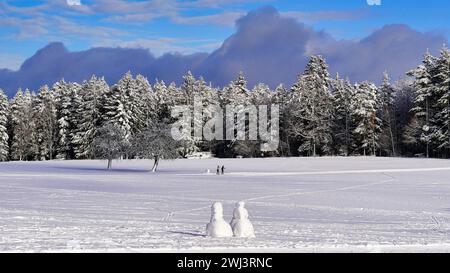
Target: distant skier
(218, 170)
(223, 169)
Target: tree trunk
(392, 142)
(392, 126)
(155, 165)
(109, 163)
(314, 147)
(374, 146)
(288, 146)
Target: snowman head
(217, 210)
(240, 204)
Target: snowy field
(296, 205)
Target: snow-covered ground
(296, 205)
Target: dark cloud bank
(266, 46)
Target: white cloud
(163, 45)
(374, 2)
(74, 2)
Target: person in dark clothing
(223, 169)
(218, 170)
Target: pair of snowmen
(240, 225)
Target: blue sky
(189, 26)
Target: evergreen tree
(261, 95)
(281, 98)
(89, 116)
(188, 89)
(311, 109)
(423, 121)
(235, 98)
(441, 81)
(144, 104)
(403, 103)
(343, 95)
(189, 92)
(165, 98)
(67, 102)
(34, 144)
(4, 137)
(124, 104)
(163, 101)
(115, 112)
(23, 135)
(364, 115)
(46, 123)
(387, 117)
(209, 103)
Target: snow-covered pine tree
(364, 115)
(122, 104)
(114, 111)
(145, 100)
(403, 103)
(34, 144)
(4, 137)
(261, 95)
(425, 99)
(163, 101)
(23, 136)
(190, 143)
(441, 81)
(280, 98)
(175, 94)
(67, 102)
(209, 99)
(165, 98)
(89, 116)
(236, 93)
(45, 116)
(387, 116)
(188, 88)
(343, 94)
(237, 96)
(311, 109)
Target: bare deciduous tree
(155, 142)
(110, 143)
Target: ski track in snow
(296, 205)
(391, 179)
(331, 172)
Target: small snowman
(241, 225)
(217, 227)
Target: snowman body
(241, 225)
(217, 227)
